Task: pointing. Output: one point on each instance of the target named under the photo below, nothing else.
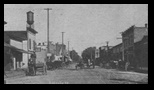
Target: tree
(88, 53)
(74, 56)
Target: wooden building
(130, 37)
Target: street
(70, 75)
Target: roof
(105, 47)
(144, 40)
(32, 30)
(139, 33)
(15, 48)
(17, 35)
(128, 30)
(118, 45)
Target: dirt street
(70, 75)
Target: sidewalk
(14, 74)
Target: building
(20, 40)
(59, 50)
(141, 52)
(23, 41)
(117, 52)
(54, 49)
(104, 55)
(129, 37)
(12, 50)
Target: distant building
(55, 49)
(105, 54)
(117, 52)
(59, 50)
(41, 46)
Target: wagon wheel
(63, 64)
(44, 70)
(76, 67)
(27, 72)
(33, 71)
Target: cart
(33, 68)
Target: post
(48, 28)
(14, 63)
(123, 50)
(62, 46)
(72, 53)
(68, 50)
(107, 42)
(27, 46)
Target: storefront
(13, 57)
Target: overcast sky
(84, 24)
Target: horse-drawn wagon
(33, 67)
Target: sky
(84, 25)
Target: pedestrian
(33, 57)
(126, 65)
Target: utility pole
(123, 50)
(68, 50)
(123, 56)
(63, 46)
(72, 53)
(48, 28)
(107, 42)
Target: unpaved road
(83, 76)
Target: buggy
(33, 67)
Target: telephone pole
(107, 44)
(68, 49)
(123, 48)
(63, 46)
(48, 28)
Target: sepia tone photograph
(75, 43)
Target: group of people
(31, 63)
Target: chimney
(146, 25)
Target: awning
(17, 49)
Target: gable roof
(32, 30)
